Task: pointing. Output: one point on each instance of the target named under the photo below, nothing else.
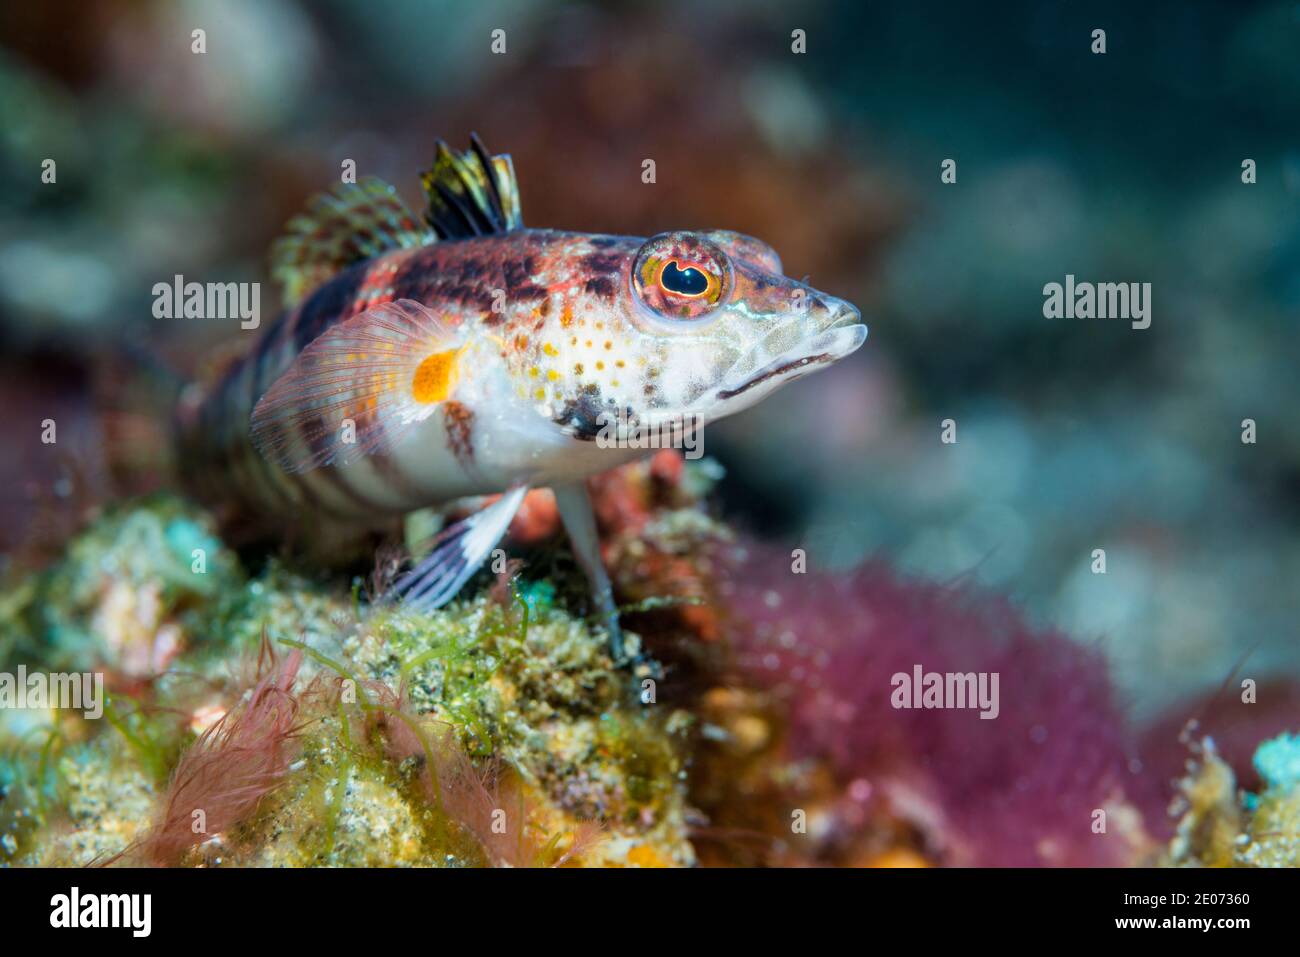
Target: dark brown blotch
(601, 262)
(602, 287)
(459, 420)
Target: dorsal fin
(472, 193)
(353, 222)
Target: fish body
(419, 364)
(500, 424)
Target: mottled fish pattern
(420, 361)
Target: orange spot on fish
(434, 377)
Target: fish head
(686, 327)
(724, 327)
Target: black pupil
(689, 281)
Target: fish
(419, 361)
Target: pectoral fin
(358, 388)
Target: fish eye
(685, 282)
(680, 277)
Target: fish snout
(831, 313)
(834, 328)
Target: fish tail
(134, 390)
(215, 463)
(219, 465)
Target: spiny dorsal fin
(472, 193)
(354, 222)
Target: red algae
(234, 764)
(1022, 789)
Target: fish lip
(840, 338)
(846, 315)
(775, 369)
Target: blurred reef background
(1072, 435)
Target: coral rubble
(1220, 825)
(494, 731)
(261, 712)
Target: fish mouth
(840, 338)
(780, 369)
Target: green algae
(97, 799)
(509, 677)
(282, 602)
(154, 746)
